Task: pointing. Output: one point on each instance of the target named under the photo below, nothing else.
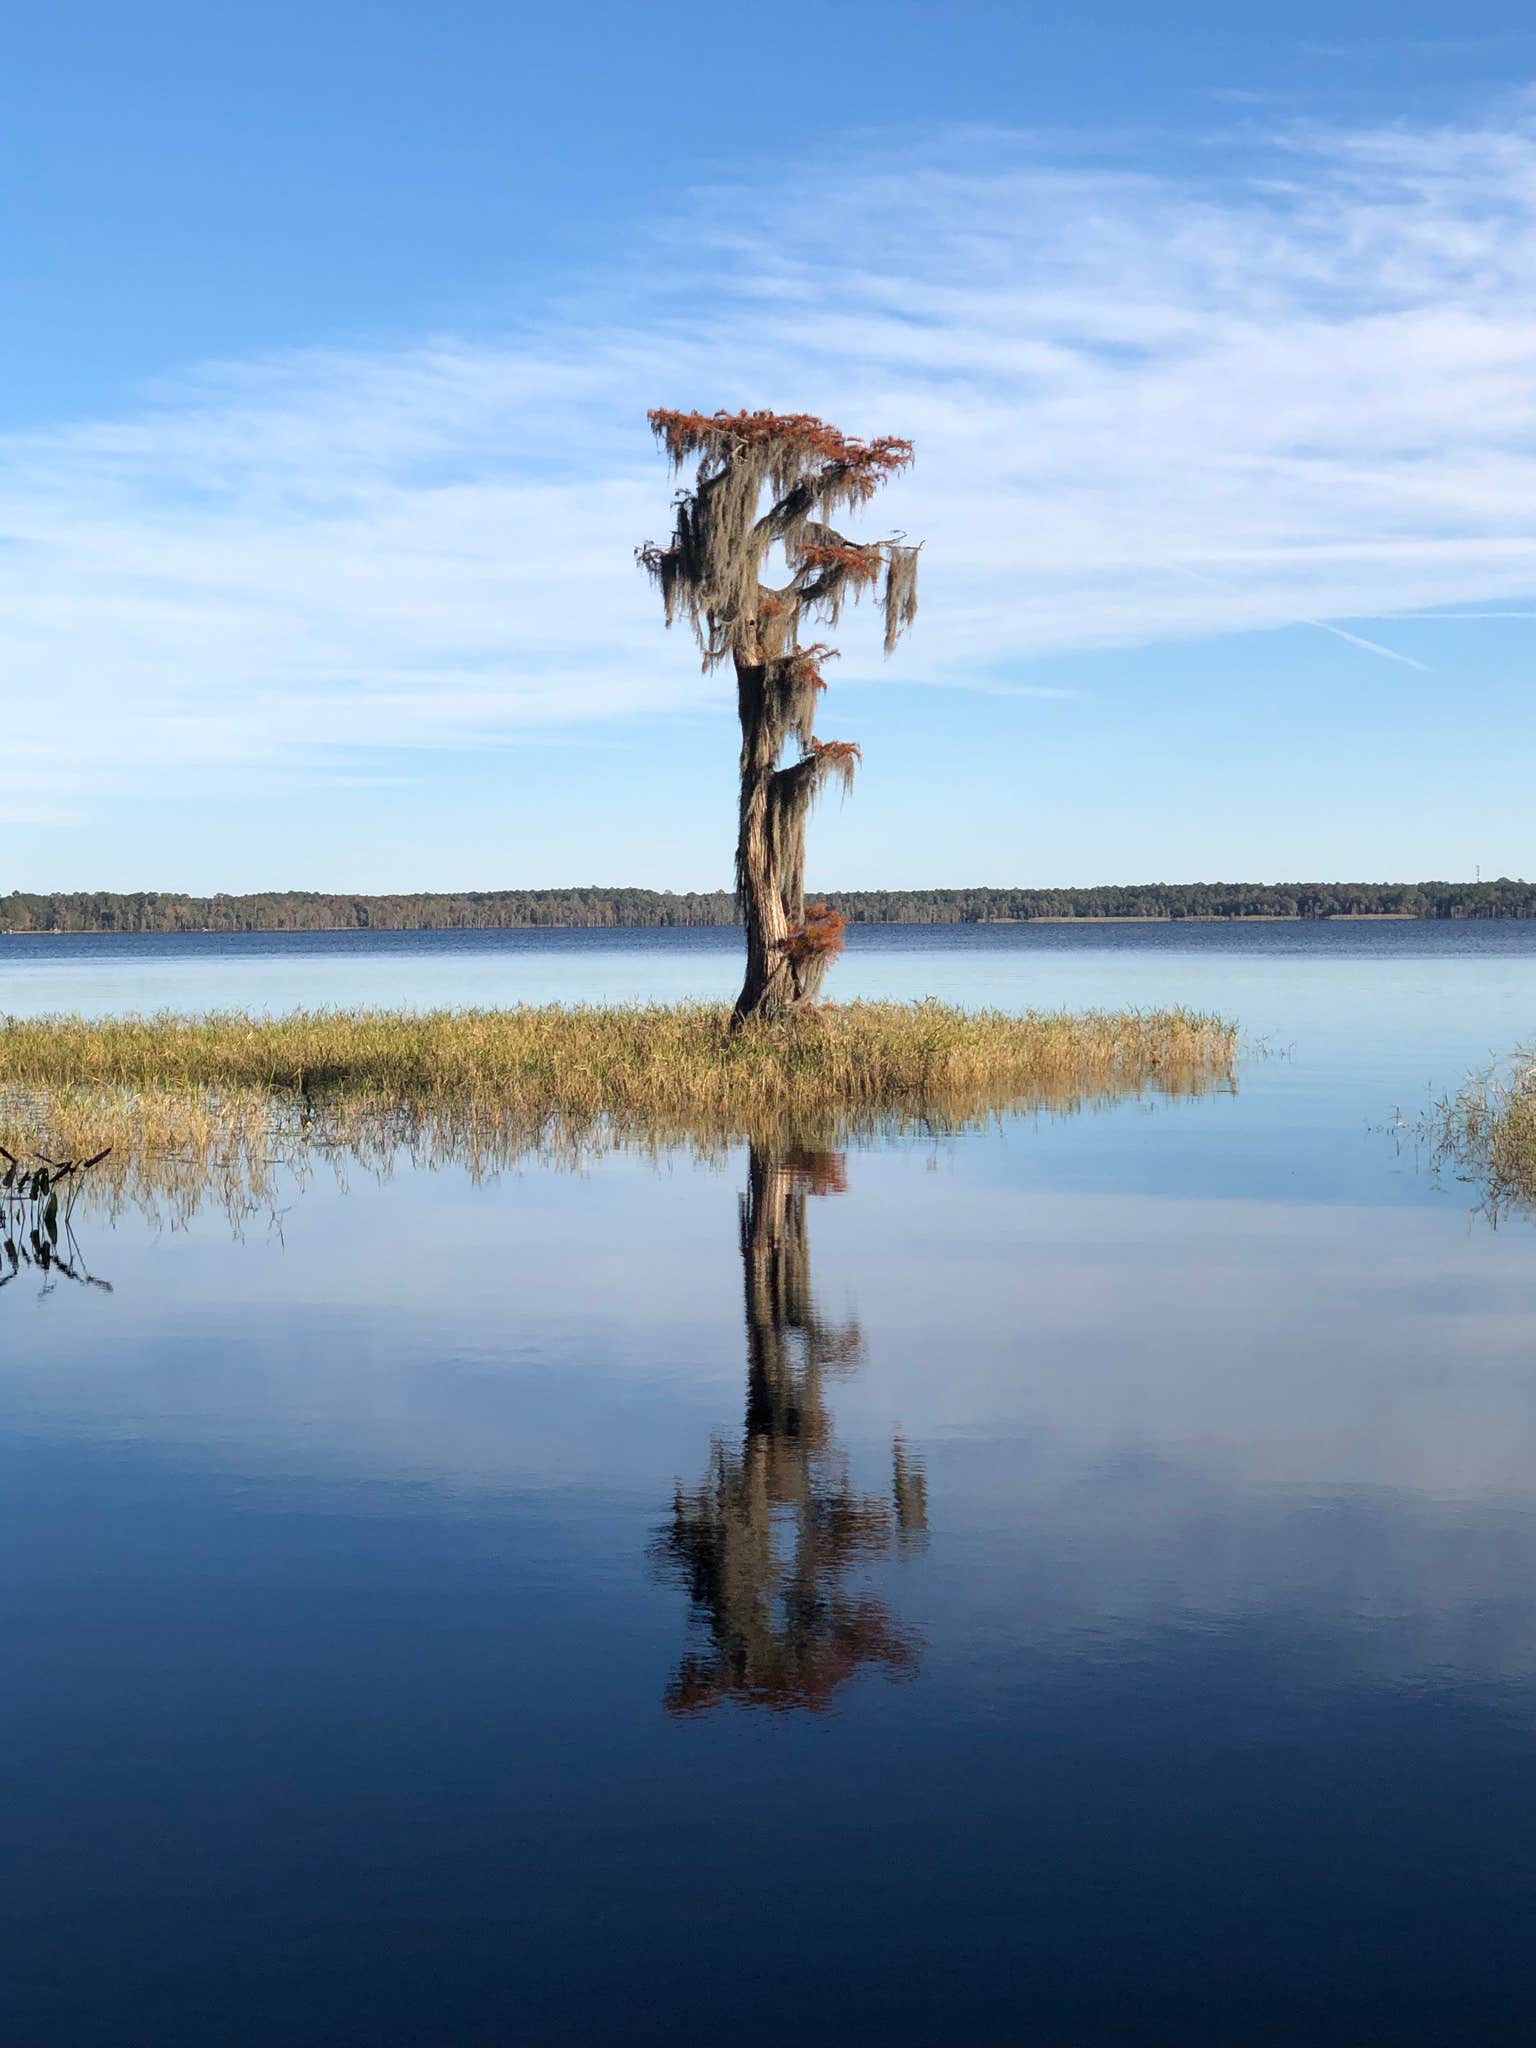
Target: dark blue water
(1073, 1582)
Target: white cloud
(1145, 410)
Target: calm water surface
(1069, 1583)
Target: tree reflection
(767, 1543)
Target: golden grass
(218, 1103)
(1486, 1134)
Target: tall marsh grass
(218, 1103)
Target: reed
(221, 1102)
(1486, 1134)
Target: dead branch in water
(34, 1231)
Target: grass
(219, 1101)
(1486, 1134)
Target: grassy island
(673, 1062)
(228, 1094)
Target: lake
(1071, 1581)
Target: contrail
(1322, 625)
(1359, 640)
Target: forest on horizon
(600, 908)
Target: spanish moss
(711, 573)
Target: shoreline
(317, 931)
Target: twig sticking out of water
(34, 1231)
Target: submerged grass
(217, 1103)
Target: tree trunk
(770, 988)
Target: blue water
(1070, 1582)
(1013, 966)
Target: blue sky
(330, 332)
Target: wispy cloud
(1314, 388)
(1371, 49)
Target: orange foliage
(819, 1173)
(859, 565)
(869, 463)
(805, 664)
(820, 933)
(839, 753)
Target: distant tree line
(525, 909)
(303, 910)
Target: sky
(329, 334)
